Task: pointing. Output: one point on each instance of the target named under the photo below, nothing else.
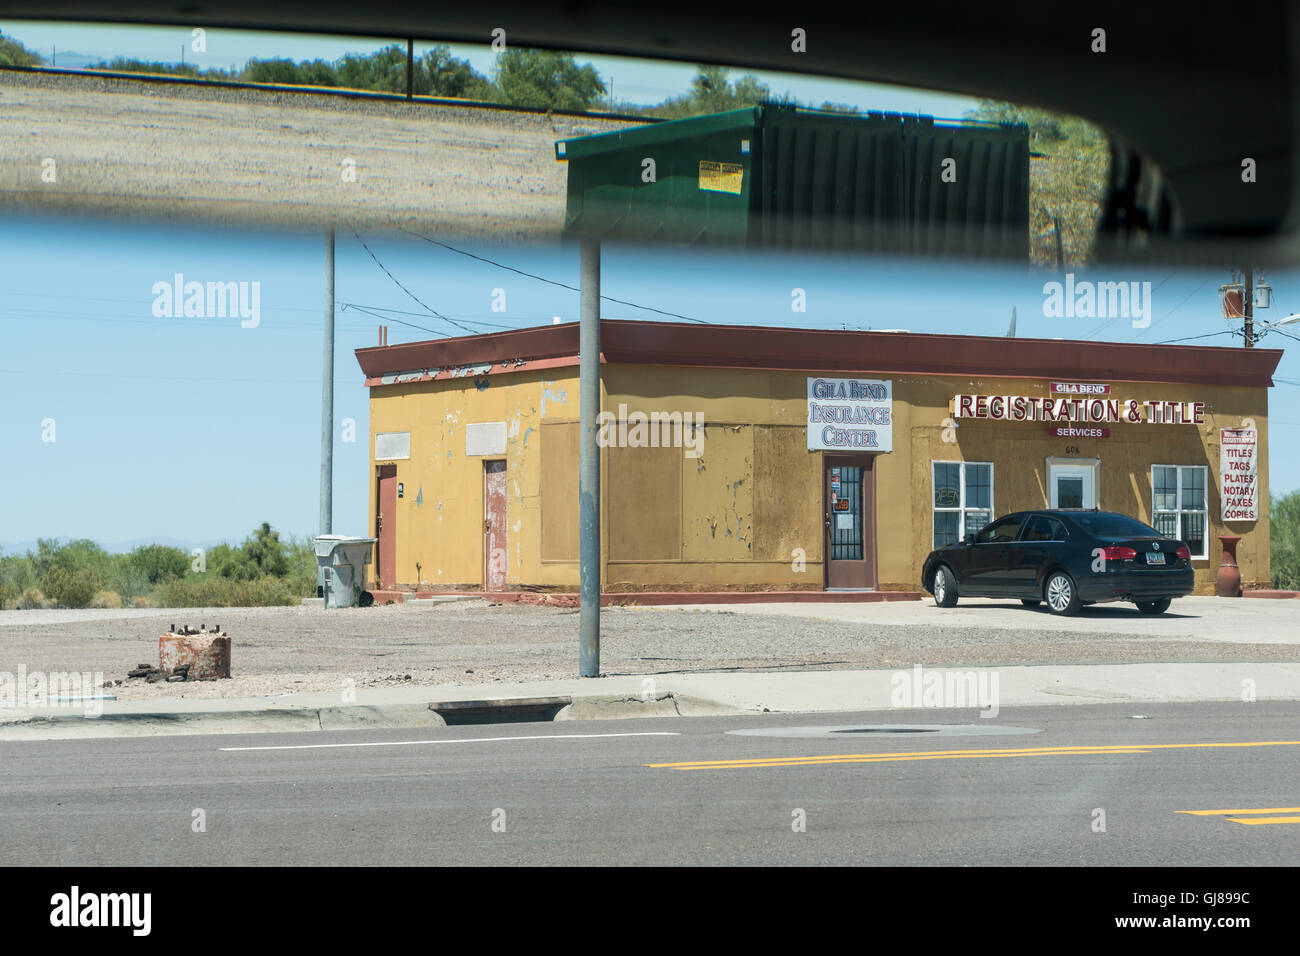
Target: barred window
(1179, 504)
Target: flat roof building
(749, 459)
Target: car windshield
(1103, 525)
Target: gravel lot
(297, 649)
(132, 148)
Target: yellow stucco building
(758, 459)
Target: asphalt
(1146, 785)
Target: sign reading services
(853, 414)
(1239, 474)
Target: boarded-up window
(559, 491)
(392, 446)
(644, 495)
(787, 494)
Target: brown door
(386, 527)
(494, 525)
(849, 498)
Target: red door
(494, 525)
(386, 527)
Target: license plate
(1155, 557)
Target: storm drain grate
(887, 730)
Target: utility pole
(589, 460)
(410, 66)
(1248, 307)
(327, 397)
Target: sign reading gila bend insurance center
(853, 414)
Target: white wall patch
(485, 438)
(392, 446)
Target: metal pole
(1247, 306)
(589, 459)
(327, 397)
(410, 65)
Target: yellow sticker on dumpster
(721, 177)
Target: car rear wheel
(1154, 607)
(945, 588)
(1030, 602)
(1060, 593)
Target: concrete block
(202, 656)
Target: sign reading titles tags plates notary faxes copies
(1239, 474)
(850, 414)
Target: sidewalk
(687, 695)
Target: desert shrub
(302, 566)
(210, 590)
(106, 599)
(31, 599)
(158, 562)
(141, 601)
(265, 549)
(1284, 541)
(70, 588)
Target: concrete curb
(355, 717)
(679, 695)
(75, 727)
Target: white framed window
(1180, 506)
(961, 499)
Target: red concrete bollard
(207, 653)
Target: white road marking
(462, 740)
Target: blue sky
(196, 430)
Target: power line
(104, 298)
(1193, 338)
(490, 325)
(1111, 321)
(562, 285)
(191, 379)
(1287, 334)
(1180, 305)
(431, 311)
(384, 318)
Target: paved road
(679, 791)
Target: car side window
(1037, 529)
(1000, 531)
(1056, 529)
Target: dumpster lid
(326, 543)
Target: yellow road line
(1220, 813)
(829, 759)
(1257, 821)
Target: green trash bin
(774, 175)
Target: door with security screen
(849, 498)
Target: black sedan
(1066, 557)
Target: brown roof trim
(741, 346)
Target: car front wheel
(1154, 607)
(945, 588)
(1061, 595)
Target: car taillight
(1184, 552)
(1118, 553)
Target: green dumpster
(775, 175)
